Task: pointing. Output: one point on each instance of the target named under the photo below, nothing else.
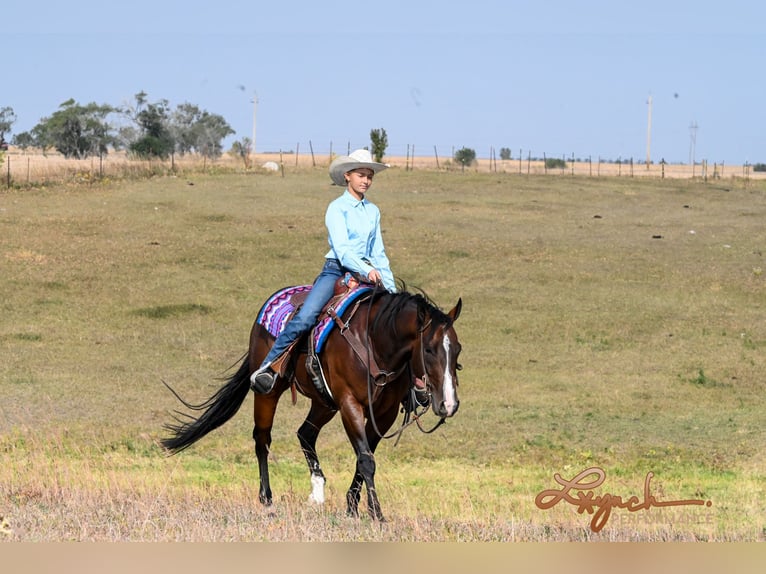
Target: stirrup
(262, 381)
(314, 368)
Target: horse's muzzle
(443, 410)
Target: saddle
(284, 304)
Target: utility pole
(649, 133)
(255, 109)
(692, 142)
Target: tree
(155, 138)
(505, 153)
(24, 140)
(198, 130)
(379, 140)
(76, 131)
(7, 119)
(465, 157)
(208, 133)
(242, 148)
(160, 131)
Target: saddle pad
(325, 325)
(278, 308)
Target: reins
(372, 382)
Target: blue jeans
(305, 318)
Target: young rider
(356, 244)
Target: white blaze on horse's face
(449, 390)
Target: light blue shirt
(354, 234)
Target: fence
(21, 169)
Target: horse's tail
(218, 409)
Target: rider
(356, 244)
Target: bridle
(372, 384)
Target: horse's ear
(455, 313)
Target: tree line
(146, 129)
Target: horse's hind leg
(263, 416)
(319, 415)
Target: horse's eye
(429, 351)
(458, 367)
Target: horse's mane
(394, 303)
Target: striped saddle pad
(283, 304)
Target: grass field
(614, 323)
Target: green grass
(587, 342)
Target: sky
(560, 78)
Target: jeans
(305, 318)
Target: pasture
(611, 323)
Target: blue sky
(555, 77)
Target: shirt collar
(352, 200)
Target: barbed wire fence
(29, 168)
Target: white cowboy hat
(357, 159)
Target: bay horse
(408, 345)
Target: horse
(388, 349)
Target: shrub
(554, 163)
(465, 157)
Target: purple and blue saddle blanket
(281, 306)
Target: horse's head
(436, 361)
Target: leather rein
(378, 378)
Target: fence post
(407, 159)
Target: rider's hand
(374, 276)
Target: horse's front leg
(352, 414)
(365, 473)
(319, 415)
(354, 494)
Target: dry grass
(598, 331)
(35, 169)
